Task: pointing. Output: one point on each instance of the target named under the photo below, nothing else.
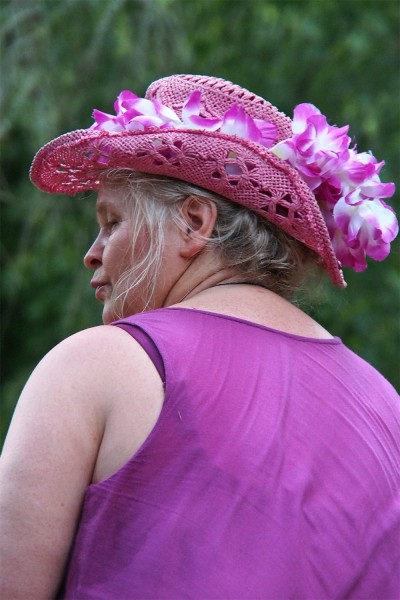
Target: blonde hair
(257, 250)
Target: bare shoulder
(97, 386)
(94, 346)
(92, 360)
(119, 384)
(133, 399)
(87, 391)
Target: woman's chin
(108, 315)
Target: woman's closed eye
(109, 226)
(112, 224)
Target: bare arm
(50, 455)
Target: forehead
(110, 196)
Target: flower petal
(268, 132)
(165, 113)
(143, 122)
(301, 114)
(191, 106)
(367, 227)
(124, 101)
(376, 189)
(106, 122)
(238, 122)
(191, 115)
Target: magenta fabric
(273, 473)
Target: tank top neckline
(294, 336)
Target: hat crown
(217, 97)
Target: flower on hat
(316, 149)
(346, 185)
(237, 122)
(134, 113)
(191, 118)
(364, 228)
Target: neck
(197, 291)
(202, 273)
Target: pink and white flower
(238, 122)
(316, 150)
(346, 185)
(191, 118)
(364, 228)
(133, 113)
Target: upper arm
(49, 457)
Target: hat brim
(242, 171)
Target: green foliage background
(61, 58)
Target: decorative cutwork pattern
(233, 171)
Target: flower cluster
(346, 184)
(138, 114)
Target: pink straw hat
(244, 171)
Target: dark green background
(61, 58)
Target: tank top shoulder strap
(147, 343)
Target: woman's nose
(93, 257)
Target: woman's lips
(99, 293)
(99, 287)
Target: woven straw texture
(239, 170)
(217, 96)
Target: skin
(92, 401)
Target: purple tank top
(272, 473)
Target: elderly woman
(210, 440)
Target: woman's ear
(200, 215)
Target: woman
(210, 440)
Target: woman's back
(271, 472)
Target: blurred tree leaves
(61, 58)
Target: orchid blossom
(346, 185)
(191, 118)
(365, 228)
(133, 113)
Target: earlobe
(200, 215)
